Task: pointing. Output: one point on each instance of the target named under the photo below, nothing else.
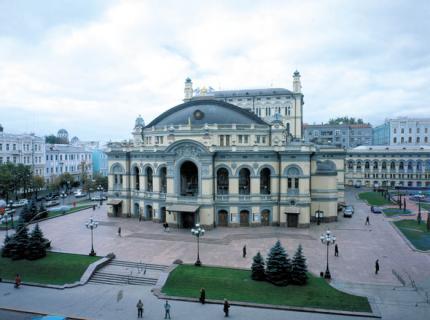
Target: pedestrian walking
(244, 251)
(167, 310)
(17, 281)
(226, 307)
(119, 231)
(367, 221)
(139, 309)
(140, 217)
(202, 295)
(376, 266)
(94, 207)
(336, 250)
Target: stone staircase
(119, 272)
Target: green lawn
(391, 212)
(55, 268)
(425, 206)
(237, 285)
(53, 214)
(374, 198)
(416, 233)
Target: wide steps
(137, 265)
(114, 279)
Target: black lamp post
(100, 190)
(91, 224)
(327, 239)
(419, 211)
(198, 232)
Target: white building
(403, 131)
(391, 166)
(26, 149)
(269, 104)
(62, 158)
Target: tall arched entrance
(265, 217)
(222, 218)
(189, 183)
(244, 218)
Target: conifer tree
(257, 268)
(299, 268)
(19, 251)
(278, 266)
(8, 245)
(36, 245)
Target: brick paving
(359, 245)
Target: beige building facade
(211, 162)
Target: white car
(348, 211)
(20, 203)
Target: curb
(40, 313)
(157, 292)
(92, 268)
(408, 242)
(160, 295)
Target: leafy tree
(21, 238)
(38, 183)
(346, 120)
(101, 180)
(299, 268)
(37, 244)
(278, 266)
(53, 139)
(257, 268)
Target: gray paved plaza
(353, 270)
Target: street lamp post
(419, 211)
(100, 190)
(327, 239)
(198, 232)
(91, 224)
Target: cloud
(94, 67)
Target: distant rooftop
(251, 92)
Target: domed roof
(62, 132)
(202, 111)
(139, 122)
(74, 139)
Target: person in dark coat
(202, 295)
(244, 251)
(367, 221)
(119, 231)
(376, 266)
(167, 310)
(226, 307)
(139, 309)
(336, 250)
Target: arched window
(136, 178)
(163, 180)
(350, 165)
(367, 165)
(384, 165)
(392, 165)
(222, 181)
(401, 165)
(244, 181)
(293, 180)
(117, 177)
(359, 165)
(265, 181)
(189, 179)
(419, 166)
(375, 165)
(149, 179)
(410, 166)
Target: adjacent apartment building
(340, 135)
(403, 131)
(27, 149)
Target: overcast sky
(92, 66)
